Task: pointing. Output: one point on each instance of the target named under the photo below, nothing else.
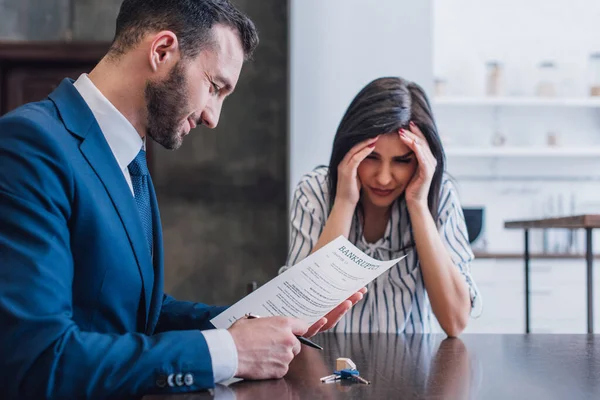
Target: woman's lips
(382, 192)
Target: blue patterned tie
(139, 179)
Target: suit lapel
(79, 119)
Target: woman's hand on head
(348, 185)
(417, 190)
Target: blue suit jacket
(82, 309)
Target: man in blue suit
(82, 308)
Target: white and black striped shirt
(396, 301)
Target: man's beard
(165, 101)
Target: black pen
(302, 339)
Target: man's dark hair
(190, 20)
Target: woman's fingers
(415, 130)
(415, 144)
(316, 328)
(359, 157)
(416, 141)
(348, 188)
(411, 141)
(357, 149)
(334, 316)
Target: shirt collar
(123, 140)
(392, 239)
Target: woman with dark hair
(386, 190)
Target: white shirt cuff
(222, 352)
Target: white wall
(519, 33)
(337, 47)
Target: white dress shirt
(396, 302)
(125, 144)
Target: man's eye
(216, 88)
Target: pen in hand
(302, 339)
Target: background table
(474, 366)
(587, 222)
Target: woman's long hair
(383, 106)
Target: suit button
(188, 379)
(179, 379)
(170, 380)
(161, 381)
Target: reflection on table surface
(436, 367)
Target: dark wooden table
(587, 222)
(434, 367)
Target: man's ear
(164, 51)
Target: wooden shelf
(520, 256)
(515, 101)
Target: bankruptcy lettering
(356, 259)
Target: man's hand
(266, 346)
(334, 316)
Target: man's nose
(211, 115)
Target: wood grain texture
(571, 222)
(434, 367)
(520, 256)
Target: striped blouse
(396, 301)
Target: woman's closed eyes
(403, 159)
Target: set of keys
(349, 374)
(345, 369)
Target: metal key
(361, 379)
(328, 377)
(353, 374)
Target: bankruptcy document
(312, 288)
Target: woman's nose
(384, 177)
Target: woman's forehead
(389, 144)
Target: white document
(312, 288)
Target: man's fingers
(296, 348)
(298, 326)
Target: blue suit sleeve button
(161, 381)
(170, 380)
(188, 379)
(179, 379)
